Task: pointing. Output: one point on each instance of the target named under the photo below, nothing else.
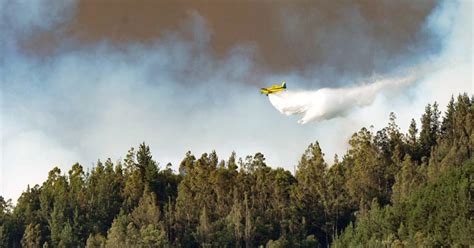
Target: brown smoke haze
(348, 38)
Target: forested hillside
(390, 188)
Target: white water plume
(328, 103)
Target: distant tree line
(389, 190)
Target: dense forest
(389, 190)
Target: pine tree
(407, 180)
(427, 138)
(337, 201)
(117, 234)
(231, 164)
(31, 237)
(152, 236)
(394, 134)
(235, 219)
(134, 182)
(435, 122)
(95, 241)
(447, 126)
(77, 200)
(412, 140)
(57, 225)
(147, 212)
(145, 228)
(106, 196)
(248, 228)
(147, 167)
(204, 228)
(310, 192)
(367, 178)
(66, 238)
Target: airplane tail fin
(283, 84)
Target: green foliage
(436, 214)
(95, 241)
(407, 180)
(390, 190)
(117, 233)
(370, 175)
(8, 232)
(31, 236)
(310, 192)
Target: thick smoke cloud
(329, 43)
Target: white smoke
(328, 103)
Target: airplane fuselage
(273, 89)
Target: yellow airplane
(274, 88)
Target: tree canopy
(389, 189)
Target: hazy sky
(87, 80)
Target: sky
(83, 80)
